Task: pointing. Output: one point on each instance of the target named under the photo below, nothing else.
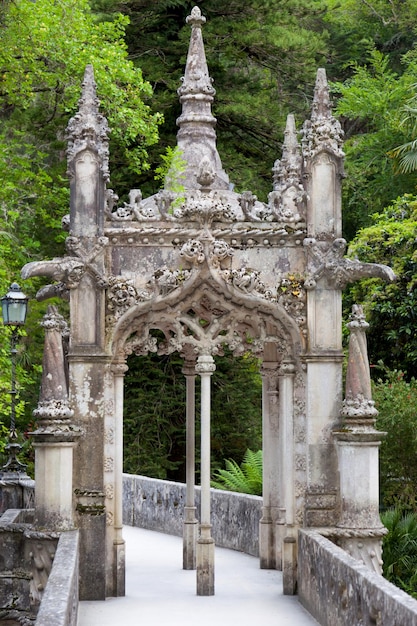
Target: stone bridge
(335, 588)
(195, 271)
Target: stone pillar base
(190, 533)
(119, 568)
(266, 545)
(289, 565)
(205, 563)
(366, 549)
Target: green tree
(390, 309)
(154, 414)
(373, 100)
(396, 400)
(45, 46)
(400, 550)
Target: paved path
(159, 592)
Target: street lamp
(14, 307)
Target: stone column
(286, 535)
(272, 512)
(360, 529)
(117, 579)
(205, 545)
(323, 171)
(190, 529)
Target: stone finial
(358, 403)
(287, 199)
(196, 136)
(323, 131)
(53, 409)
(88, 128)
(321, 108)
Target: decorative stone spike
(358, 404)
(323, 131)
(287, 200)
(196, 136)
(88, 128)
(53, 412)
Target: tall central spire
(196, 136)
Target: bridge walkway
(159, 591)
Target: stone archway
(261, 276)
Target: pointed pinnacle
(291, 145)
(322, 108)
(196, 76)
(89, 101)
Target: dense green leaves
(45, 46)
(243, 478)
(154, 419)
(400, 550)
(391, 309)
(396, 400)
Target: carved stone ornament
(68, 270)
(288, 199)
(358, 403)
(193, 252)
(326, 260)
(88, 129)
(121, 295)
(323, 131)
(206, 208)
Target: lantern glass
(14, 306)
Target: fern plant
(400, 549)
(246, 478)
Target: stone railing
(159, 505)
(59, 606)
(340, 591)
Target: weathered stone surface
(59, 605)
(340, 591)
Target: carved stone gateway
(192, 272)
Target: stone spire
(88, 128)
(196, 136)
(287, 200)
(323, 131)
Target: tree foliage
(154, 420)
(45, 46)
(262, 55)
(396, 400)
(400, 550)
(390, 309)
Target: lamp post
(14, 308)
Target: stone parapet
(159, 505)
(59, 606)
(338, 590)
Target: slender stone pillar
(360, 529)
(287, 542)
(205, 545)
(119, 370)
(190, 529)
(272, 514)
